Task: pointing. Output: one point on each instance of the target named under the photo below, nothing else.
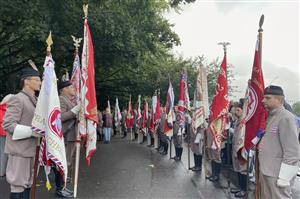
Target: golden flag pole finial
(49, 42)
(85, 10)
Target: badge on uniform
(273, 129)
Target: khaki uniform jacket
(162, 123)
(20, 110)
(68, 119)
(197, 148)
(177, 139)
(237, 145)
(280, 142)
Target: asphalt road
(125, 169)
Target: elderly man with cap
(279, 150)
(69, 112)
(21, 141)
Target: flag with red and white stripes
(47, 121)
(200, 103)
(129, 120)
(256, 113)
(139, 114)
(170, 116)
(219, 108)
(88, 117)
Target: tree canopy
(132, 44)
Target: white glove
(282, 183)
(22, 132)
(76, 109)
(286, 173)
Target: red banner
(219, 107)
(256, 113)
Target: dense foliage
(132, 43)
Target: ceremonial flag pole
(75, 79)
(47, 123)
(200, 105)
(88, 116)
(170, 115)
(129, 118)
(260, 35)
(117, 116)
(225, 44)
(219, 108)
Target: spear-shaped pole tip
(261, 22)
(85, 10)
(49, 42)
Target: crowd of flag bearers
(48, 130)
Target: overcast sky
(201, 25)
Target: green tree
(296, 108)
(129, 36)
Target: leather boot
(213, 170)
(200, 161)
(243, 181)
(26, 193)
(197, 159)
(216, 177)
(166, 146)
(195, 162)
(179, 154)
(176, 153)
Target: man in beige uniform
(21, 141)
(279, 150)
(69, 112)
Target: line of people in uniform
(279, 151)
(20, 141)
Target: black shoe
(161, 149)
(69, 191)
(214, 179)
(64, 194)
(177, 158)
(148, 145)
(124, 136)
(196, 169)
(240, 194)
(69, 179)
(164, 153)
(209, 177)
(234, 190)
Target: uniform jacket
(280, 142)
(162, 122)
(20, 110)
(238, 139)
(68, 119)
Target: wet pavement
(126, 169)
